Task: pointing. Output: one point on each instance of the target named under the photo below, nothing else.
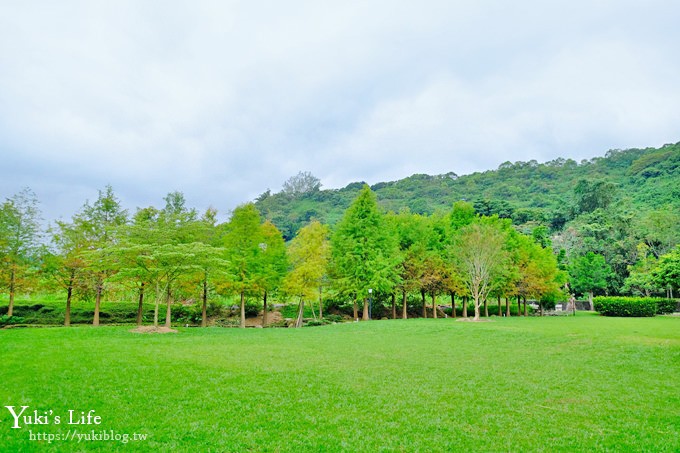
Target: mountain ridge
(523, 191)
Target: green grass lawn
(584, 383)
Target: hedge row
(633, 306)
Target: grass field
(583, 383)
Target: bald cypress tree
(364, 253)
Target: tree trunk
(242, 325)
(404, 306)
(476, 318)
(524, 301)
(264, 309)
(465, 304)
(434, 306)
(69, 292)
(140, 307)
(486, 308)
(364, 315)
(204, 306)
(356, 310)
(422, 296)
(12, 289)
(311, 306)
(519, 305)
(320, 302)
(500, 309)
(507, 307)
(97, 303)
(156, 305)
(301, 313)
(590, 300)
(540, 307)
(453, 305)
(394, 306)
(168, 308)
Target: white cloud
(222, 100)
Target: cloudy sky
(222, 100)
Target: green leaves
(308, 254)
(364, 254)
(589, 273)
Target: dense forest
(624, 206)
(629, 181)
(542, 232)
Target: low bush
(334, 318)
(637, 307)
(7, 320)
(666, 306)
(316, 322)
(252, 309)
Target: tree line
(175, 253)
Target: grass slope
(582, 383)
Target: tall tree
(480, 257)
(667, 271)
(588, 273)
(100, 223)
(67, 266)
(410, 231)
(242, 240)
(363, 256)
(19, 241)
(308, 254)
(302, 183)
(210, 258)
(274, 263)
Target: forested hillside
(553, 193)
(543, 231)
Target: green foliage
(9, 320)
(252, 308)
(666, 306)
(667, 271)
(626, 306)
(363, 256)
(589, 273)
(545, 189)
(242, 240)
(593, 195)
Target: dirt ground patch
(152, 329)
(272, 317)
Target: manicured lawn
(582, 383)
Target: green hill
(550, 193)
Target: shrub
(334, 318)
(252, 309)
(6, 320)
(666, 306)
(626, 306)
(338, 306)
(187, 314)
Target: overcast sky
(222, 100)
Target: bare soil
(152, 329)
(272, 317)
